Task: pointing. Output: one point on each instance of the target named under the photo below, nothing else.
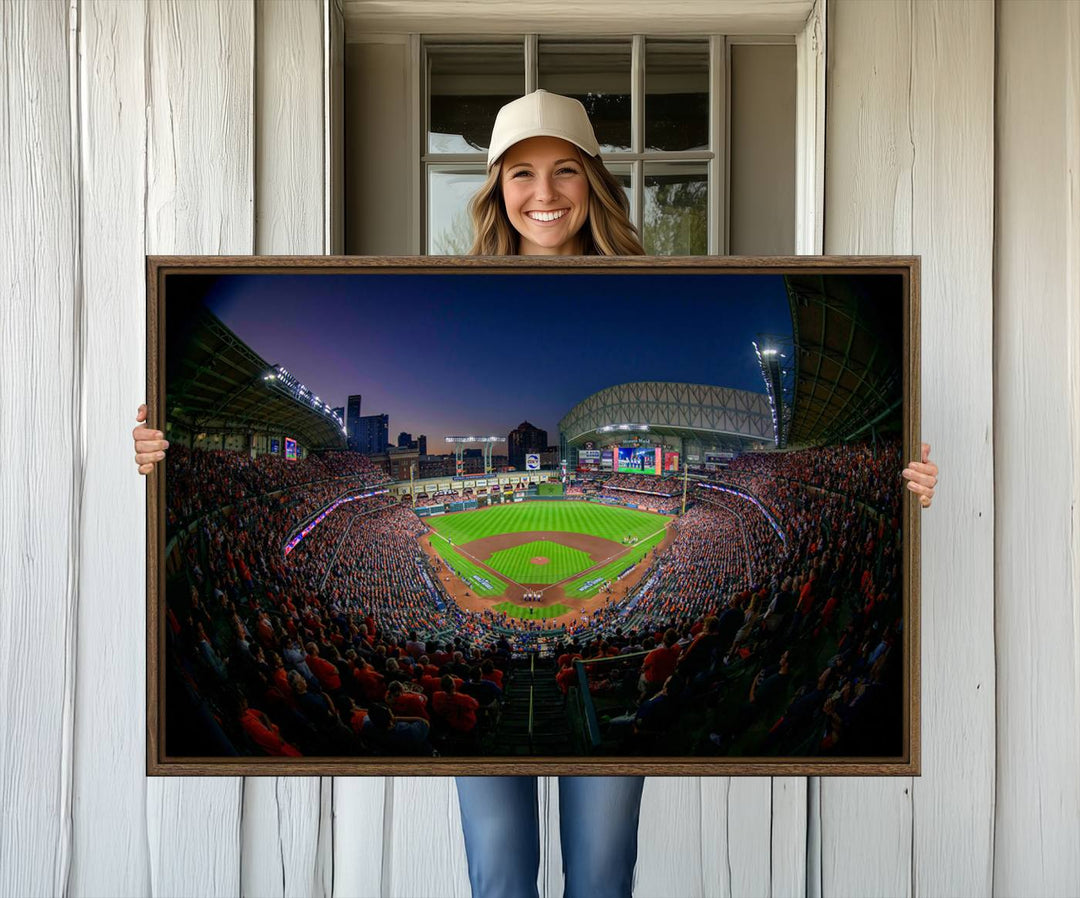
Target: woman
(548, 193)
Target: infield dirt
(601, 550)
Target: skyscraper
(421, 444)
(352, 422)
(523, 439)
(403, 440)
(373, 434)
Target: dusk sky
(479, 353)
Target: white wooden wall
(953, 131)
(909, 169)
(1037, 450)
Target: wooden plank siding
(285, 849)
(168, 126)
(110, 851)
(1037, 450)
(41, 470)
(909, 169)
(199, 199)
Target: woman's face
(546, 195)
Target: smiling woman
(546, 195)
(547, 191)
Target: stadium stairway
(531, 683)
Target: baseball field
(563, 550)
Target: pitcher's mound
(538, 559)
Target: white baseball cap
(541, 114)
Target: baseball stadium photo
(476, 514)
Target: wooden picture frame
(853, 366)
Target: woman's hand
(922, 477)
(150, 445)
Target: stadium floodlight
(475, 439)
(608, 428)
(773, 374)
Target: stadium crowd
(802, 636)
(645, 483)
(269, 663)
(866, 472)
(199, 481)
(737, 636)
(661, 504)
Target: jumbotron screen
(639, 459)
(290, 449)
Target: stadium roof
(848, 350)
(215, 383)
(726, 419)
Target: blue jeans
(598, 822)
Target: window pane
(467, 85)
(449, 191)
(597, 74)
(762, 151)
(623, 174)
(676, 95)
(676, 209)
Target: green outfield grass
(562, 562)
(570, 517)
(610, 571)
(606, 521)
(467, 570)
(529, 612)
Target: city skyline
(452, 355)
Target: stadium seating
(787, 636)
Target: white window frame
(810, 125)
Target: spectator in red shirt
(569, 655)
(567, 676)
(325, 672)
(407, 701)
(350, 712)
(264, 630)
(431, 683)
(372, 683)
(828, 613)
(659, 664)
(456, 709)
(264, 733)
(488, 671)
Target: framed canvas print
(533, 516)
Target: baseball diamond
(567, 550)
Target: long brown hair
(607, 231)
